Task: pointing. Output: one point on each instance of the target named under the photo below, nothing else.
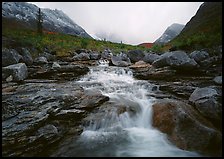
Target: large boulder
(10, 56)
(136, 55)
(175, 59)
(121, 60)
(26, 56)
(198, 56)
(17, 71)
(151, 57)
(206, 102)
(184, 125)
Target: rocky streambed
(155, 105)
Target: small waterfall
(130, 132)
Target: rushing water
(129, 133)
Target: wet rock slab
(186, 127)
(37, 114)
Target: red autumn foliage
(49, 32)
(147, 45)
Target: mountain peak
(53, 20)
(171, 32)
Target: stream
(126, 134)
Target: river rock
(136, 55)
(94, 56)
(175, 59)
(48, 132)
(40, 60)
(18, 71)
(48, 56)
(121, 60)
(211, 61)
(70, 113)
(218, 80)
(55, 65)
(81, 57)
(146, 73)
(206, 102)
(63, 72)
(199, 56)
(10, 56)
(140, 64)
(9, 79)
(38, 114)
(150, 57)
(81, 50)
(26, 56)
(91, 100)
(180, 89)
(106, 54)
(184, 125)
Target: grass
(203, 31)
(198, 41)
(62, 43)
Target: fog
(129, 22)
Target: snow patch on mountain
(170, 33)
(53, 20)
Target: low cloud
(129, 22)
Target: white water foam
(129, 133)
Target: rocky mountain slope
(170, 33)
(25, 14)
(204, 30)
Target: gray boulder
(136, 55)
(205, 101)
(94, 56)
(121, 60)
(198, 56)
(9, 57)
(106, 54)
(48, 56)
(18, 71)
(81, 57)
(26, 57)
(150, 58)
(175, 59)
(218, 80)
(40, 60)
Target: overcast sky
(129, 22)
